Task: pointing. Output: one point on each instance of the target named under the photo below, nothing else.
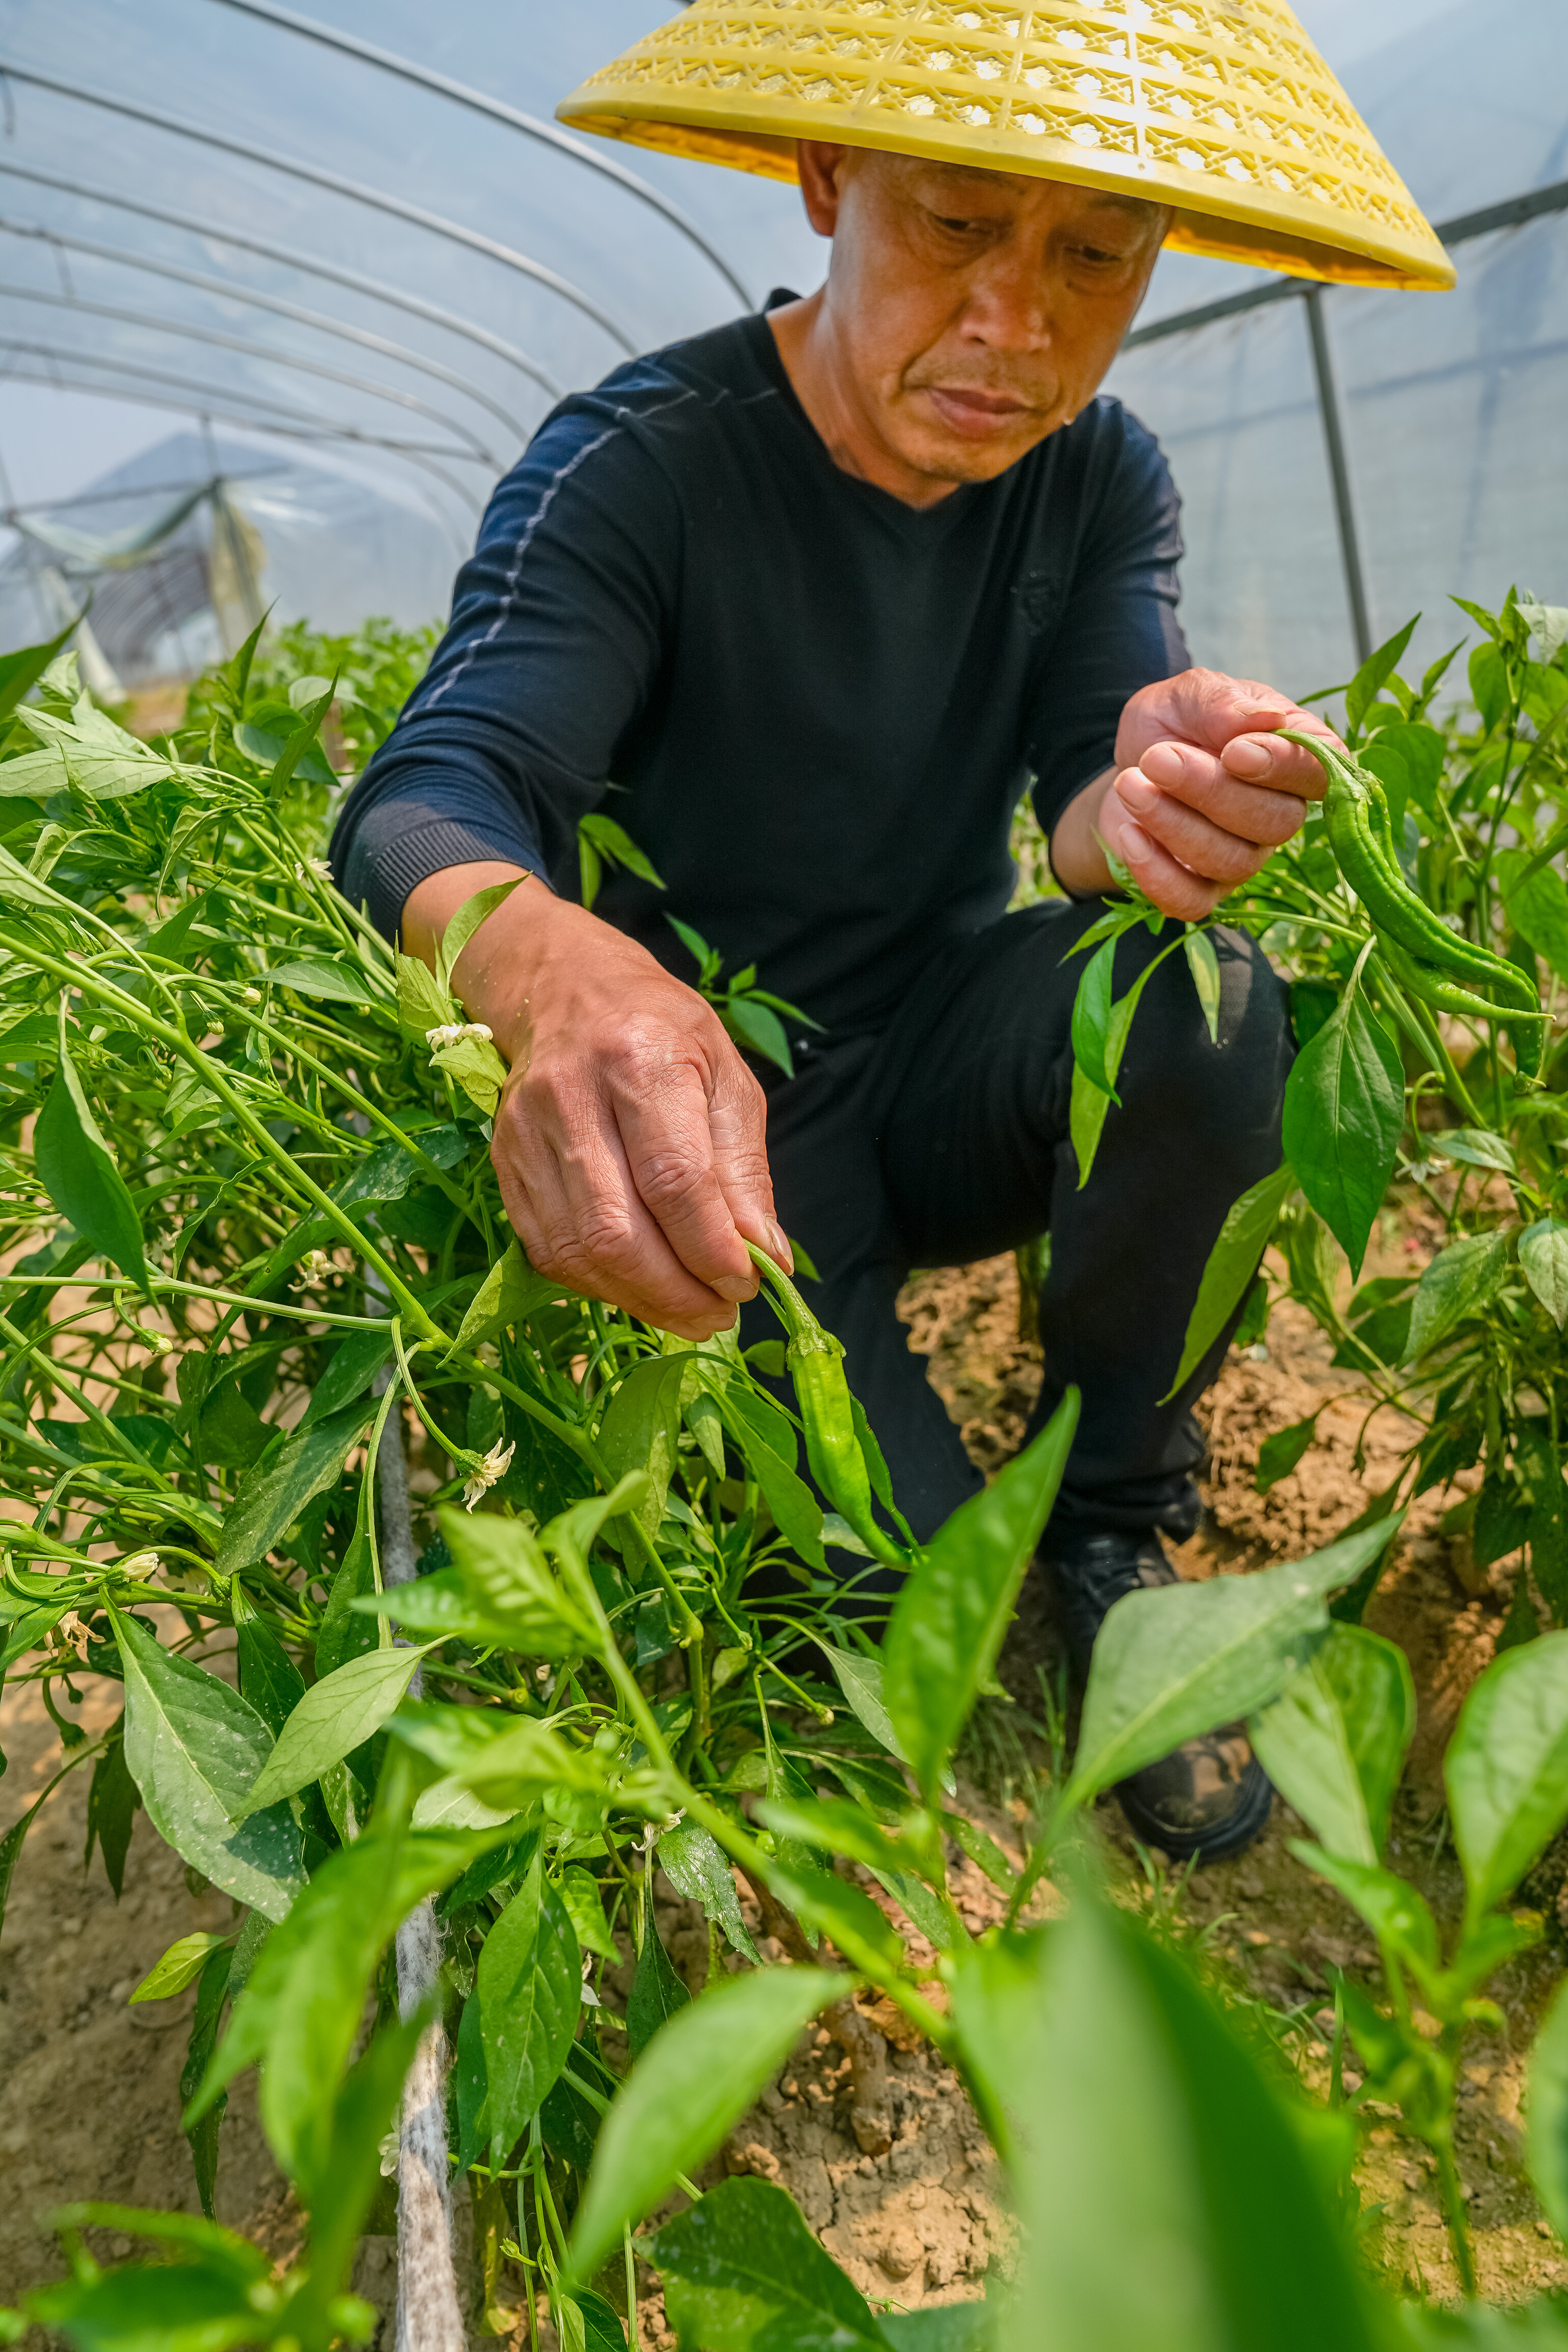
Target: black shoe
(1212, 1797)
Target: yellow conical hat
(1221, 107)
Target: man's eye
(1096, 255)
(960, 228)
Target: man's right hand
(630, 1140)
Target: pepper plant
(255, 1251)
(1422, 917)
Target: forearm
(1077, 861)
(532, 938)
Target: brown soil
(88, 2087)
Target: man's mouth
(978, 415)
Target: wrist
(1077, 861)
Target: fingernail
(1135, 843)
(778, 1246)
(1135, 791)
(734, 1287)
(1245, 758)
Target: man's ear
(823, 169)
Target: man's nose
(1009, 300)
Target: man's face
(973, 312)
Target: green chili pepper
(1421, 951)
(815, 1360)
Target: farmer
(805, 603)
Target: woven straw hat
(1220, 108)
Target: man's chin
(945, 458)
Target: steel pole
(1338, 472)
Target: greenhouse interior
(784, 987)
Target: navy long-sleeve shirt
(813, 708)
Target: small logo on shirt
(1038, 595)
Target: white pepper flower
(452, 1033)
(315, 1266)
(250, 996)
(70, 1635)
(487, 1473)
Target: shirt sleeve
(1118, 629)
(560, 619)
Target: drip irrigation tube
(429, 2311)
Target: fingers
(1253, 812)
(738, 1126)
(1174, 887)
(568, 1187)
(1185, 862)
(663, 1117)
(1236, 718)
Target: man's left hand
(1202, 791)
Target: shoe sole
(1217, 1844)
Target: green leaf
(1091, 1010)
(269, 1679)
(585, 1909)
(529, 1986)
(1279, 1454)
(1169, 2194)
(1373, 675)
(270, 1497)
(21, 670)
(1175, 1661)
(1203, 962)
(1335, 1741)
(949, 1619)
(612, 841)
(697, 1867)
(743, 2273)
(343, 1635)
(829, 1906)
(303, 2003)
(181, 1965)
(1460, 1282)
(796, 1512)
(1537, 906)
(205, 2299)
(509, 1293)
(336, 1716)
(754, 1025)
(834, 1826)
(688, 2092)
(217, 1973)
(1345, 1112)
(193, 1748)
(1546, 2114)
(1507, 1768)
(423, 1004)
(354, 1364)
(1396, 1912)
(1477, 1146)
(336, 979)
(657, 1992)
(859, 1677)
(113, 1801)
(1232, 1263)
(471, 915)
(1543, 1255)
(641, 1429)
(77, 1170)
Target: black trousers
(944, 1139)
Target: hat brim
(1281, 232)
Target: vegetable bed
(260, 1292)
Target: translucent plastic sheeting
(357, 264)
(260, 528)
(1452, 409)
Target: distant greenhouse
(176, 554)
